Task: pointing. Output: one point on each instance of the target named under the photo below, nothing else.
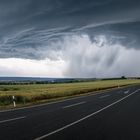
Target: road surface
(110, 115)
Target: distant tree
(123, 77)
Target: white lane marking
(84, 118)
(13, 119)
(74, 104)
(126, 92)
(104, 96)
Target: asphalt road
(111, 115)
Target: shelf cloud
(59, 38)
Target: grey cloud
(30, 27)
(99, 59)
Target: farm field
(36, 93)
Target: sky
(70, 38)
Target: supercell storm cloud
(70, 38)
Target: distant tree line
(62, 81)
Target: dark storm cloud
(29, 27)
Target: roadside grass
(36, 93)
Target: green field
(35, 93)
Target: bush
(5, 100)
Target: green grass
(39, 92)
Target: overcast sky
(70, 38)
